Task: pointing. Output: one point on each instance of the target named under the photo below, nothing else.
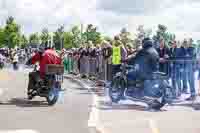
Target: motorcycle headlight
(156, 86)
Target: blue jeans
(173, 77)
(177, 78)
(190, 78)
(184, 79)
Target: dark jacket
(163, 66)
(163, 52)
(190, 53)
(147, 62)
(190, 56)
(178, 55)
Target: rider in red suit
(44, 57)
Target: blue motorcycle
(155, 91)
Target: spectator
(179, 66)
(118, 55)
(184, 72)
(190, 57)
(198, 65)
(76, 59)
(173, 72)
(99, 64)
(92, 59)
(163, 52)
(84, 61)
(107, 60)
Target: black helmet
(147, 42)
(41, 49)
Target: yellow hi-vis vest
(116, 55)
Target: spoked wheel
(166, 97)
(52, 97)
(31, 94)
(157, 104)
(116, 91)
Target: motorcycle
(51, 85)
(155, 92)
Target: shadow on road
(195, 106)
(108, 106)
(22, 102)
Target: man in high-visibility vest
(119, 53)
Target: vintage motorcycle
(51, 86)
(139, 80)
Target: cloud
(110, 15)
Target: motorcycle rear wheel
(52, 97)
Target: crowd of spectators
(179, 60)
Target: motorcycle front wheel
(164, 99)
(156, 104)
(116, 91)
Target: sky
(180, 16)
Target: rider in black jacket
(146, 61)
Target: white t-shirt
(15, 59)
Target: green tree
(91, 34)
(45, 37)
(125, 36)
(76, 34)
(34, 38)
(68, 37)
(23, 41)
(107, 38)
(58, 37)
(12, 33)
(2, 38)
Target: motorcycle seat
(159, 75)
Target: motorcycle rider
(145, 62)
(44, 56)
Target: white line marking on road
(1, 91)
(19, 131)
(153, 126)
(94, 114)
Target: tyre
(165, 98)
(157, 105)
(52, 97)
(116, 91)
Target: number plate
(59, 78)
